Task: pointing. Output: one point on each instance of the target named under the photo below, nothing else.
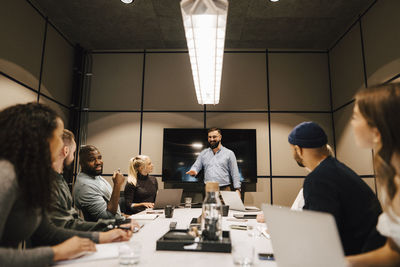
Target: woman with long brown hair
(30, 140)
(376, 125)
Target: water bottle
(211, 220)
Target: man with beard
(333, 187)
(93, 195)
(219, 163)
(62, 212)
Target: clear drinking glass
(129, 254)
(243, 254)
(252, 229)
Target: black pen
(135, 229)
(154, 212)
(123, 227)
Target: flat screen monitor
(182, 146)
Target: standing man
(63, 213)
(92, 193)
(333, 187)
(219, 163)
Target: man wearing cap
(333, 187)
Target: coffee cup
(225, 210)
(168, 211)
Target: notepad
(104, 251)
(144, 216)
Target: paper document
(144, 216)
(104, 251)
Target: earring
(376, 140)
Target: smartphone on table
(266, 256)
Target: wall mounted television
(182, 146)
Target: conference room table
(152, 230)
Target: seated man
(62, 212)
(92, 193)
(298, 203)
(333, 187)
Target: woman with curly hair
(376, 125)
(30, 140)
(141, 188)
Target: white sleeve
(389, 226)
(298, 203)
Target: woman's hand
(260, 218)
(147, 205)
(134, 224)
(116, 235)
(72, 248)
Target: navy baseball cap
(308, 135)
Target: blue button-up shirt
(218, 167)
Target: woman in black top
(141, 188)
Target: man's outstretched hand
(192, 173)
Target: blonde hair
(134, 165)
(324, 150)
(330, 150)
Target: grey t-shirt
(91, 195)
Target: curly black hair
(24, 141)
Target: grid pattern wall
(268, 90)
(36, 61)
(366, 55)
(134, 96)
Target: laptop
(232, 199)
(303, 238)
(168, 197)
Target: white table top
(154, 229)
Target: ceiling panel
(156, 24)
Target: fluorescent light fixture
(197, 145)
(205, 24)
(127, 1)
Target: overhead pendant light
(205, 24)
(127, 1)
